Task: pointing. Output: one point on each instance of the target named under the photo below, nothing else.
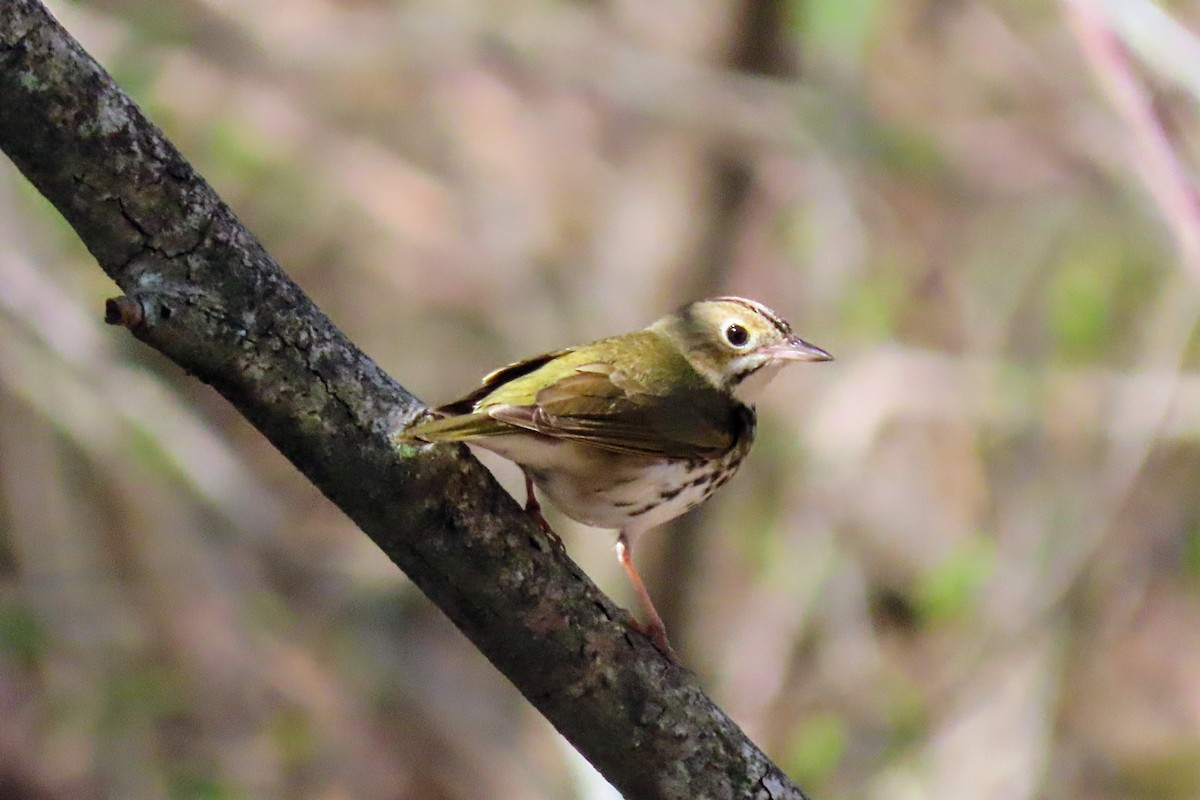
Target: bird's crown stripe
(762, 311)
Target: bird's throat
(750, 387)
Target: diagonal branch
(200, 289)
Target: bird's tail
(459, 428)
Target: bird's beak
(796, 349)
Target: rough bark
(201, 290)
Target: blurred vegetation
(962, 560)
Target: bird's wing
(462, 420)
(565, 395)
(600, 405)
(503, 377)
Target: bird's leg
(654, 628)
(534, 509)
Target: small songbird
(633, 430)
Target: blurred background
(963, 560)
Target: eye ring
(736, 335)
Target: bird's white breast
(615, 490)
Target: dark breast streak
(711, 474)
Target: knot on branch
(124, 311)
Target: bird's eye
(736, 335)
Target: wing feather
(595, 403)
(600, 406)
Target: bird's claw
(534, 510)
(657, 636)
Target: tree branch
(200, 289)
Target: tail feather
(459, 428)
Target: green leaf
(816, 748)
(839, 27)
(950, 587)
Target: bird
(630, 431)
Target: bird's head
(738, 345)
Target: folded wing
(594, 403)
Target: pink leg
(534, 509)
(654, 628)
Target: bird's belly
(627, 495)
(615, 490)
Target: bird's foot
(654, 630)
(534, 509)
(657, 635)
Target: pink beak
(796, 349)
